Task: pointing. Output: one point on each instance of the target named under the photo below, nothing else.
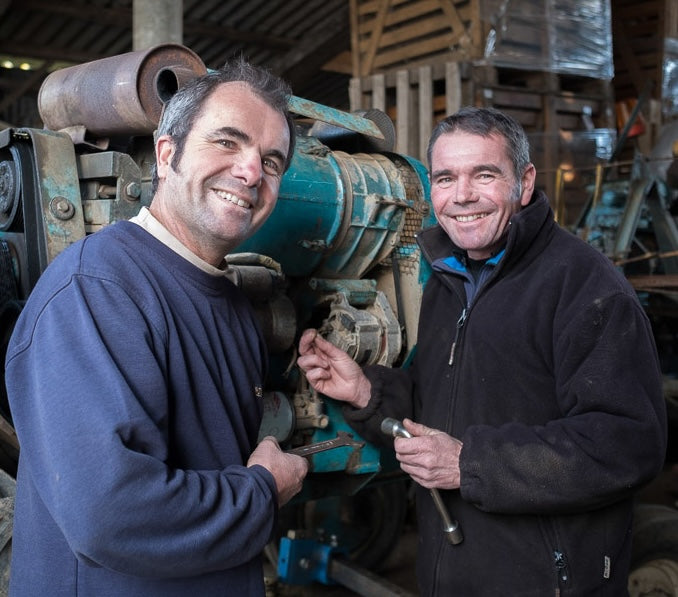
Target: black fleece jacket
(556, 394)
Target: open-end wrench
(343, 439)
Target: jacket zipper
(561, 567)
(460, 324)
(561, 570)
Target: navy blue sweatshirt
(135, 381)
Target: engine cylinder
(339, 214)
(119, 95)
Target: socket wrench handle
(394, 427)
(452, 530)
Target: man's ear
(527, 184)
(164, 152)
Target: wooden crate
(416, 99)
(391, 34)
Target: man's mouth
(470, 218)
(231, 198)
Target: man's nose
(466, 191)
(247, 167)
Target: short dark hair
(182, 109)
(485, 122)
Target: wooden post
(379, 92)
(452, 88)
(403, 115)
(425, 109)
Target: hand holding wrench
(451, 528)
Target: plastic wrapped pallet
(567, 37)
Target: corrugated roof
(305, 41)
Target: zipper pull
(561, 565)
(451, 361)
(460, 323)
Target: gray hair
(182, 109)
(485, 122)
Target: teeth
(233, 199)
(469, 218)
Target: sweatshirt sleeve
(89, 401)
(610, 439)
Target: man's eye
(228, 143)
(271, 166)
(444, 182)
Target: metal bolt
(133, 190)
(304, 563)
(61, 208)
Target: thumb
(418, 429)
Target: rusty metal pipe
(119, 95)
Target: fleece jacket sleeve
(610, 439)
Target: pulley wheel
(658, 578)
(10, 192)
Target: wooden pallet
(543, 102)
(387, 35)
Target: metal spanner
(343, 439)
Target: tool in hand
(343, 439)
(451, 528)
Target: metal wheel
(658, 578)
(366, 526)
(654, 570)
(10, 191)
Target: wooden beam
(377, 30)
(379, 92)
(318, 46)
(341, 63)
(452, 88)
(403, 112)
(47, 52)
(425, 109)
(355, 46)
(452, 15)
(122, 17)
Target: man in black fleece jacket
(535, 386)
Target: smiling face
(226, 183)
(474, 190)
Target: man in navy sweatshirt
(135, 374)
